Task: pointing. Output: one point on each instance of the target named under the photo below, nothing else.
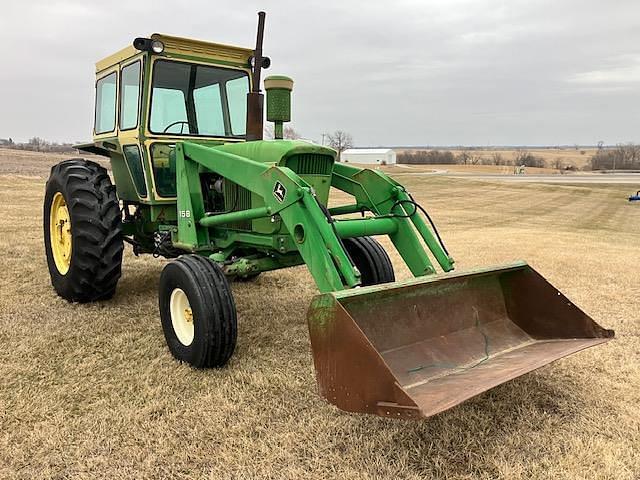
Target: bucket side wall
(542, 311)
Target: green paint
(242, 202)
(366, 227)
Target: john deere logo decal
(279, 192)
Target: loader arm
(301, 214)
(380, 194)
(317, 235)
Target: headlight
(157, 46)
(148, 45)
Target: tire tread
(371, 259)
(219, 332)
(96, 231)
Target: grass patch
(91, 391)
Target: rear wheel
(371, 259)
(197, 311)
(82, 231)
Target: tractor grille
(237, 198)
(310, 164)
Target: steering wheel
(183, 122)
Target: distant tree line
(468, 157)
(621, 157)
(37, 144)
(428, 157)
(528, 159)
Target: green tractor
(181, 122)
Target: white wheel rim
(181, 316)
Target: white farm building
(369, 156)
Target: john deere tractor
(181, 122)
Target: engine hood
(275, 151)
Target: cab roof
(186, 47)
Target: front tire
(197, 311)
(371, 259)
(82, 231)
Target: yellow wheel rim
(60, 233)
(181, 316)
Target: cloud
(408, 73)
(622, 73)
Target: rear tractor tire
(197, 311)
(82, 231)
(370, 258)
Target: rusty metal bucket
(413, 349)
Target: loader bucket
(413, 349)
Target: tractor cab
(161, 90)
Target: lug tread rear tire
(96, 231)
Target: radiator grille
(237, 198)
(310, 164)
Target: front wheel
(371, 260)
(197, 311)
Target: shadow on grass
(512, 420)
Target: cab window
(237, 90)
(163, 158)
(106, 104)
(199, 100)
(134, 162)
(210, 120)
(129, 96)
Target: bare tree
(290, 133)
(37, 144)
(498, 159)
(464, 157)
(558, 163)
(467, 157)
(523, 157)
(429, 157)
(340, 141)
(622, 157)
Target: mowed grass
(91, 391)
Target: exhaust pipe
(255, 99)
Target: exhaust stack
(255, 99)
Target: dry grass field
(26, 163)
(91, 391)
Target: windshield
(189, 99)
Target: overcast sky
(448, 72)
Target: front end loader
(182, 123)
